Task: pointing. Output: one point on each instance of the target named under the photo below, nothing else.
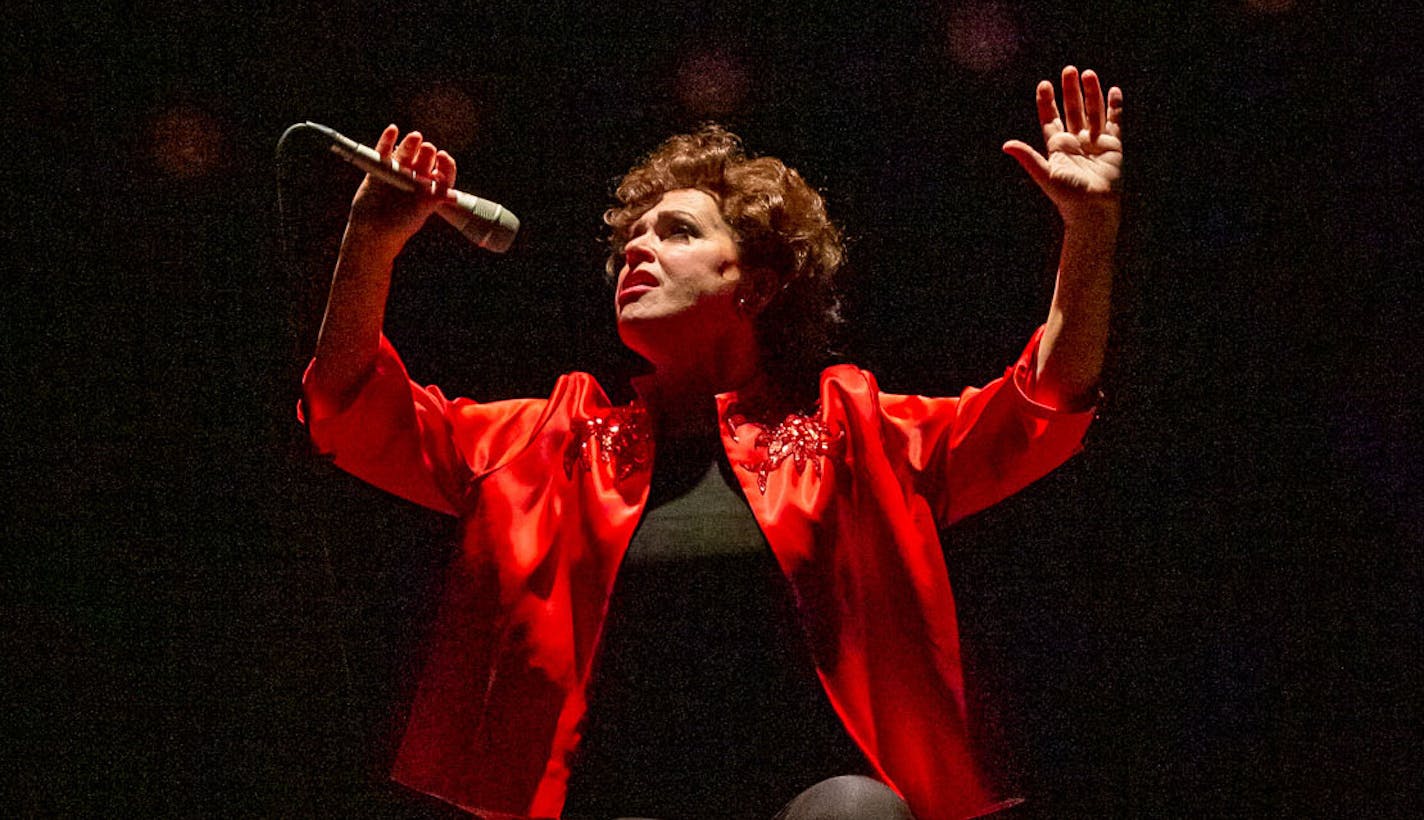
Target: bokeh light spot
(186, 142)
(712, 83)
(445, 115)
(982, 36)
(1269, 6)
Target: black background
(1212, 610)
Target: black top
(705, 701)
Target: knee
(850, 797)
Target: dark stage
(1213, 610)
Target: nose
(638, 249)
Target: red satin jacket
(549, 492)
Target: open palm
(1083, 170)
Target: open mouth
(632, 294)
(635, 284)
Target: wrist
(1102, 220)
(371, 243)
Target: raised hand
(383, 219)
(1083, 171)
(386, 216)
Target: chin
(648, 336)
(632, 331)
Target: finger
(1093, 103)
(445, 170)
(1032, 161)
(1047, 109)
(424, 161)
(1072, 101)
(408, 148)
(1114, 118)
(387, 141)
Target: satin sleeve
(411, 440)
(970, 451)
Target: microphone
(487, 224)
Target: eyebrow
(671, 212)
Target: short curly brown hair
(786, 240)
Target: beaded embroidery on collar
(801, 439)
(621, 438)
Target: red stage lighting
(185, 142)
(712, 84)
(446, 115)
(982, 36)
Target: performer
(727, 598)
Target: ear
(756, 289)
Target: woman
(728, 597)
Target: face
(680, 276)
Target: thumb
(1032, 161)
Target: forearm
(1070, 354)
(355, 311)
(383, 219)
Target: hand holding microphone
(414, 166)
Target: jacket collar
(753, 400)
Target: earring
(743, 306)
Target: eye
(681, 227)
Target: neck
(681, 392)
